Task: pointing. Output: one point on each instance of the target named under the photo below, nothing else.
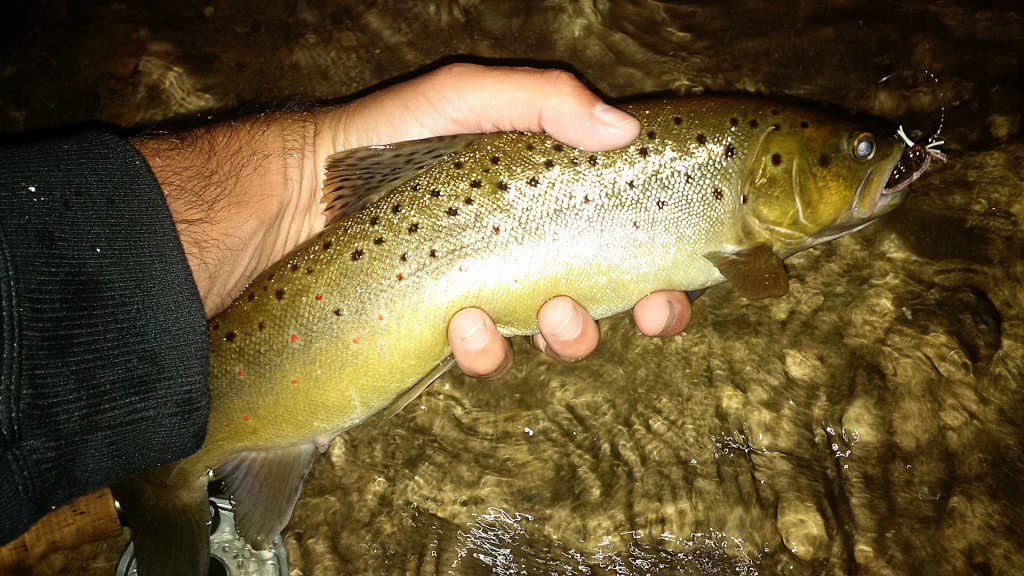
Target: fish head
(820, 176)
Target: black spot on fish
(688, 177)
(702, 139)
(270, 278)
(776, 159)
(279, 294)
(404, 257)
(357, 254)
(661, 204)
(592, 159)
(501, 186)
(378, 240)
(475, 184)
(734, 122)
(533, 181)
(631, 184)
(415, 187)
(652, 135)
(754, 123)
(435, 193)
(677, 120)
(215, 325)
(804, 124)
(586, 199)
(293, 266)
(558, 147)
(230, 336)
(495, 160)
(309, 270)
(251, 296)
(574, 161)
(549, 163)
(374, 221)
(529, 147)
(486, 170)
(396, 208)
(414, 227)
(774, 112)
(433, 253)
(824, 160)
(730, 151)
(636, 224)
(468, 200)
(326, 245)
(457, 165)
(644, 152)
(453, 211)
(261, 326)
(716, 193)
(337, 311)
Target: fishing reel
(229, 554)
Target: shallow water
(869, 422)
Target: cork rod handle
(85, 519)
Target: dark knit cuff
(103, 339)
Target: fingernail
(571, 328)
(476, 337)
(670, 320)
(612, 117)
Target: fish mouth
(915, 161)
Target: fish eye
(864, 146)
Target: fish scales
(348, 321)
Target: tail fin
(170, 524)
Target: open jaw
(915, 160)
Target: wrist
(241, 195)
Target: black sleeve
(104, 341)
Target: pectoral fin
(264, 485)
(170, 525)
(359, 177)
(754, 272)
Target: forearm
(241, 195)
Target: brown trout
(713, 189)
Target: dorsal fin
(359, 177)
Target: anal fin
(754, 272)
(170, 524)
(264, 486)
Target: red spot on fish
(240, 373)
(400, 276)
(462, 268)
(245, 417)
(227, 424)
(295, 381)
(294, 338)
(318, 297)
(355, 340)
(380, 317)
(496, 230)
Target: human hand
(245, 193)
